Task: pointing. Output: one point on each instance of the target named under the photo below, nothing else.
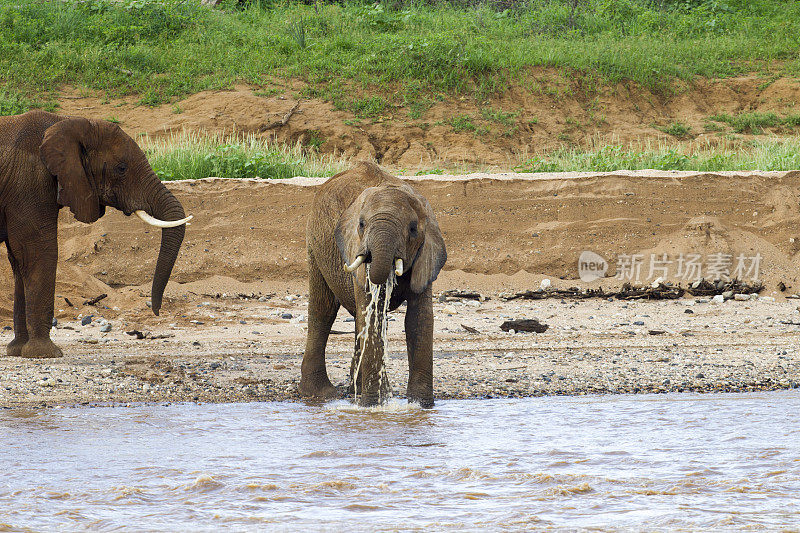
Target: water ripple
(668, 462)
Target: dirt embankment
(503, 232)
(547, 110)
(233, 323)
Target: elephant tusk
(398, 266)
(153, 221)
(355, 264)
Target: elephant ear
(61, 151)
(432, 253)
(347, 238)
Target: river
(647, 462)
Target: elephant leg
(322, 309)
(419, 342)
(38, 269)
(20, 328)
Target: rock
(85, 321)
(741, 297)
(545, 284)
(105, 328)
(718, 299)
(727, 295)
(524, 325)
(766, 299)
(638, 322)
(286, 316)
(688, 311)
(55, 321)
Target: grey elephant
(48, 161)
(371, 222)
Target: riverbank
(245, 351)
(232, 327)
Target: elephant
(47, 162)
(374, 225)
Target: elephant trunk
(165, 206)
(382, 245)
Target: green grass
(161, 49)
(678, 130)
(14, 103)
(506, 118)
(755, 122)
(189, 156)
(748, 122)
(463, 123)
(370, 107)
(761, 155)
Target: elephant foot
(318, 386)
(421, 394)
(40, 349)
(14, 348)
(424, 402)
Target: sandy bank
(245, 254)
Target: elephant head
(97, 165)
(391, 227)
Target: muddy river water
(666, 462)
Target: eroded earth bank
(233, 323)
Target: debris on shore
(525, 324)
(728, 289)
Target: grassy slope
(162, 49)
(170, 48)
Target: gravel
(591, 347)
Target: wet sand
(245, 351)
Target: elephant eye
(361, 223)
(412, 228)
(121, 168)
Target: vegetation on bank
(162, 49)
(189, 156)
(765, 155)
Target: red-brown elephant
(48, 161)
